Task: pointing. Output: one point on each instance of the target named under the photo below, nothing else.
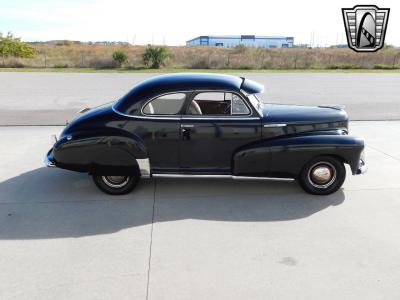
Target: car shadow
(53, 203)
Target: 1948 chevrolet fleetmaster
(208, 125)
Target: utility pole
(312, 39)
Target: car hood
(281, 120)
(278, 113)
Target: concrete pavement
(205, 239)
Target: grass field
(85, 57)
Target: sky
(172, 22)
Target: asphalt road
(53, 98)
(61, 238)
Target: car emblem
(365, 27)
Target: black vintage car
(208, 125)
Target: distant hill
(69, 42)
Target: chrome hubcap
(322, 175)
(115, 181)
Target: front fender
(286, 156)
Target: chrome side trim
(173, 175)
(219, 118)
(177, 175)
(261, 178)
(275, 125)
(144, 167)
(144, 117)
(184, 117)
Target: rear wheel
(322, 175)
(116, 185)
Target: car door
(159, 127)
(213, 126)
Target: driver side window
(217, 104)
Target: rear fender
(105, 152)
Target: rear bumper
(362, 167)
(49, 159)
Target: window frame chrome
(248, 100)
(162, 95)
(182, 115)
(248, 116)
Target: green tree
(120, 57)
(155, 56)
(12, 46)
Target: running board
(158, 175)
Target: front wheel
(116, 185)
(322, 175)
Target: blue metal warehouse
(230, 41)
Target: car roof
(168, 83)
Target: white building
(230, 41)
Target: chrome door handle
(187, 126)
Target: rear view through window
(218, 104)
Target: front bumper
(362, 167)
(49, 159)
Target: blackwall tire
(116, 185)
(322, 175)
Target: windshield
(257, 104)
